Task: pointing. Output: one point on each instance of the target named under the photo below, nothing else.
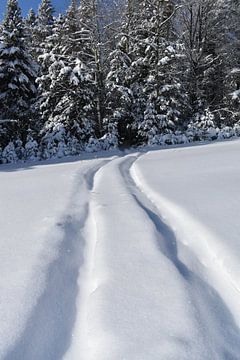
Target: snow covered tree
(231, 106)
(91, 19)
(31, 20)
(31, 33)
(144, 74)
(66, 91)
(17, 77)
(133, 72)
(68, 109)
(119, 96)
(119, 99)
(163, 88)
(43, 28)
(203, 27)
(45, 18)
(70, 33)
(202, 126)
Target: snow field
(129, 257)
(42, 223)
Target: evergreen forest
(120, 74)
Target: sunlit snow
(130, 256)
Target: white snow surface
(127, 256)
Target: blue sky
(59, 5)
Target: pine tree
(45, 18)
(91, 20)
(70, 39)
(231, 107)
(203, 26)
(66, 101)
(151, 87)
(31, 19)
(43, 28)
(31, 33)
(119, 97)
(68, 106)
(17, 77)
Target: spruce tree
(91, 20)
(31, 19)
(17, 77)
(66, 91)
(160, 58)
(31, 32)
(203, 27)
(231, 106)
(45, 17)
(119, 96)
(151, 92)
(43, 28)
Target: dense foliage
(131, 73)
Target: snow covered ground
(122, 257)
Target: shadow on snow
(48, 332)
(204, 297)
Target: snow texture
(125, 256)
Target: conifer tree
(66, 101)
(231, 106)
(203, 25)
(151, 89)
(45, 18)
(160, 58)
(119, 96)
(31, 33)
(44, 27)
(17, 77)
(92, 39)
(31, 19)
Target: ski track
(219, 322)
(218, 336)
(205, 254)
(48, 332)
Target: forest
(128, 73)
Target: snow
(235, 94)
(235, 71)
(37, 220)
(125, 256)
(164, 60)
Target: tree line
(131, 72)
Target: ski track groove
(48, 331)
(169, 247)
(168, 244)
(156, 213)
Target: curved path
(124, 285)
(141, 300)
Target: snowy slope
(196, 190)
(129, 257)
(42, 210)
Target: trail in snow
(167, 241)
(48, 332)
(143, 301)
(207, 246)
(134, 275)
(216, 320)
